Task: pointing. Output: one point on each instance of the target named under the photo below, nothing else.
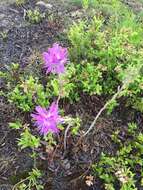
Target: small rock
(66, 164)
(76, 14)
(46, 5)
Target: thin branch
(102, 109)
(65, 136)
(17, 184)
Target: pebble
(46, 5)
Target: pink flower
(47, 120)
(55, 59)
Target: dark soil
(66, 168)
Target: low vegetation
(104, 58)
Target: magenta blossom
(55, 59)
(47, 120)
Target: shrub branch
(115, 96)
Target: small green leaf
(28, 140)
(16, 125)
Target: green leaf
(28, 140)
(16, 125)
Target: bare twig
(2, 140)
(15, 187)
(65, 136)
(102, 109)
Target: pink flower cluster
(47, 120)
(55, 59)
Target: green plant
(27, 93)
(15, 125)
(20, 2)
(63, 85)
(120, 169)
(28, 140)
(85, 4)
(32, 181)
(10, 75)
(104, 54)
(4, 35)
(73, 123)
(34, 16)
(92, 75)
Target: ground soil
(22, 39)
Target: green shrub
(102, 53)
(120, 169)
(34, 16)
(29, 93)
(20, 2)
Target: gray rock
(46, 5)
